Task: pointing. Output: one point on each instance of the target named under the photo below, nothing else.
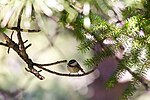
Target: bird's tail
(82, 70)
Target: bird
(74, 67)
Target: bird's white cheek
(74, 64)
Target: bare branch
(28, 46)
(54, 63)
(70, 75)
(25, 41)
(20, 49)
(3, 44)
(11, 39)
(36, 73)
(22, 53)
(23, 30)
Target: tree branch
(23, 30)
(10, 43)
(54, 63)
(20, 49)
(70, 75)
(3, 44)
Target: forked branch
(20, 49)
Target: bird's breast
(73, 69)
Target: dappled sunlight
(39, 39)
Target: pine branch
(139, 78)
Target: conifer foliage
(131, 39)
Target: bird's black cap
(72, 61)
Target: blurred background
(53, 44)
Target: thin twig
(11, 39)
(23, 30)
(54, 63)
(36, 73)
